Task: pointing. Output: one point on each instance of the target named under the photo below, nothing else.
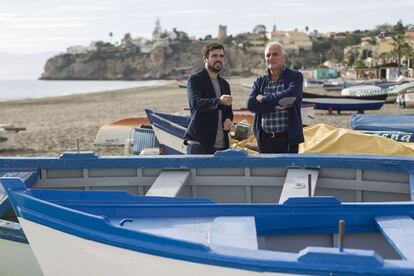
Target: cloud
(169, 13)
(55, 25)
(83, 8)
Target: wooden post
(341, 235)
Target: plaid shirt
(277, 121)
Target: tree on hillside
(383, 28)
(126, 40)
(260, 29)
(385, 57)
(400, 48)
(359, 64)
(399, 27)
(306, 29)
(181, 36)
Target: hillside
(176, 60)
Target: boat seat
(233, 231)
(169, 183)
(399, 231)
(296, 183)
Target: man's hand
(228, 125)
(226, 100)
(259, 98)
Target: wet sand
(53, 123)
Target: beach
(53, 124)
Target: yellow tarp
(322, 138)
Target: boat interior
(238, 185)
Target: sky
(32, 30)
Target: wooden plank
(296, 183)
(234, 231)
(169, 183)
(399, 231)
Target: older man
(276, 99)
(210, 105)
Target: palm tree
(111, 34)
(400, 47)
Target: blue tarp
(391, 122)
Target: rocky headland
(174, 60)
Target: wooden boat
(170, 129)
(340, 104)
(113, 233)
(8, 134)
(226, 177)
(116, 133)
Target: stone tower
(222, 32)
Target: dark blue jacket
(293, 84)
(204, 107)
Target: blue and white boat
(383, 122)
(170, 129)
(344, 104)
(112, 233)
(227, 177)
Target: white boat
(113, 233)
(314, 83)
(170, 129)
(116, 133)
(226, 177)
(8, 134)
(405, 100)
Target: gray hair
(280, 45)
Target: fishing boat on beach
(313, 83)
(383, 122)
(226, 177)
(116, 133)
(344, 104)
(170, 129)
(108, 232)
(310, 95)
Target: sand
(53, 123)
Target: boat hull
(102, 233)
(85, 257)
(17, 259)
(344, 104)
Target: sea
(26, 89)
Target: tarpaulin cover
(394, 122)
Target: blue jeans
(199, 149)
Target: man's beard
(214, 69)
